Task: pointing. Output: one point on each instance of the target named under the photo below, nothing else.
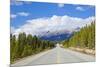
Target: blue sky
(38, 10)
(24, 13)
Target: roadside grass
(82, 50)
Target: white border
(84, 2)
(4, 33)
(5, 29)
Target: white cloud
(80, 8)
(19, 14)
(13, 16)
(17, 3)
(60, 5)
(12, 30)
(23, 14)
(53, 25)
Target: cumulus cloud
(80, 8)
(60, 5)
(52, 25)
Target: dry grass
(84, 50)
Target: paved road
(56, 55)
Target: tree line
(85, 38)
(25, 45)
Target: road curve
(56, 55)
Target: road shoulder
(26, 60)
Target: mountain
(57, 37)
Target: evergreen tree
(85, 38)
(25, 45)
